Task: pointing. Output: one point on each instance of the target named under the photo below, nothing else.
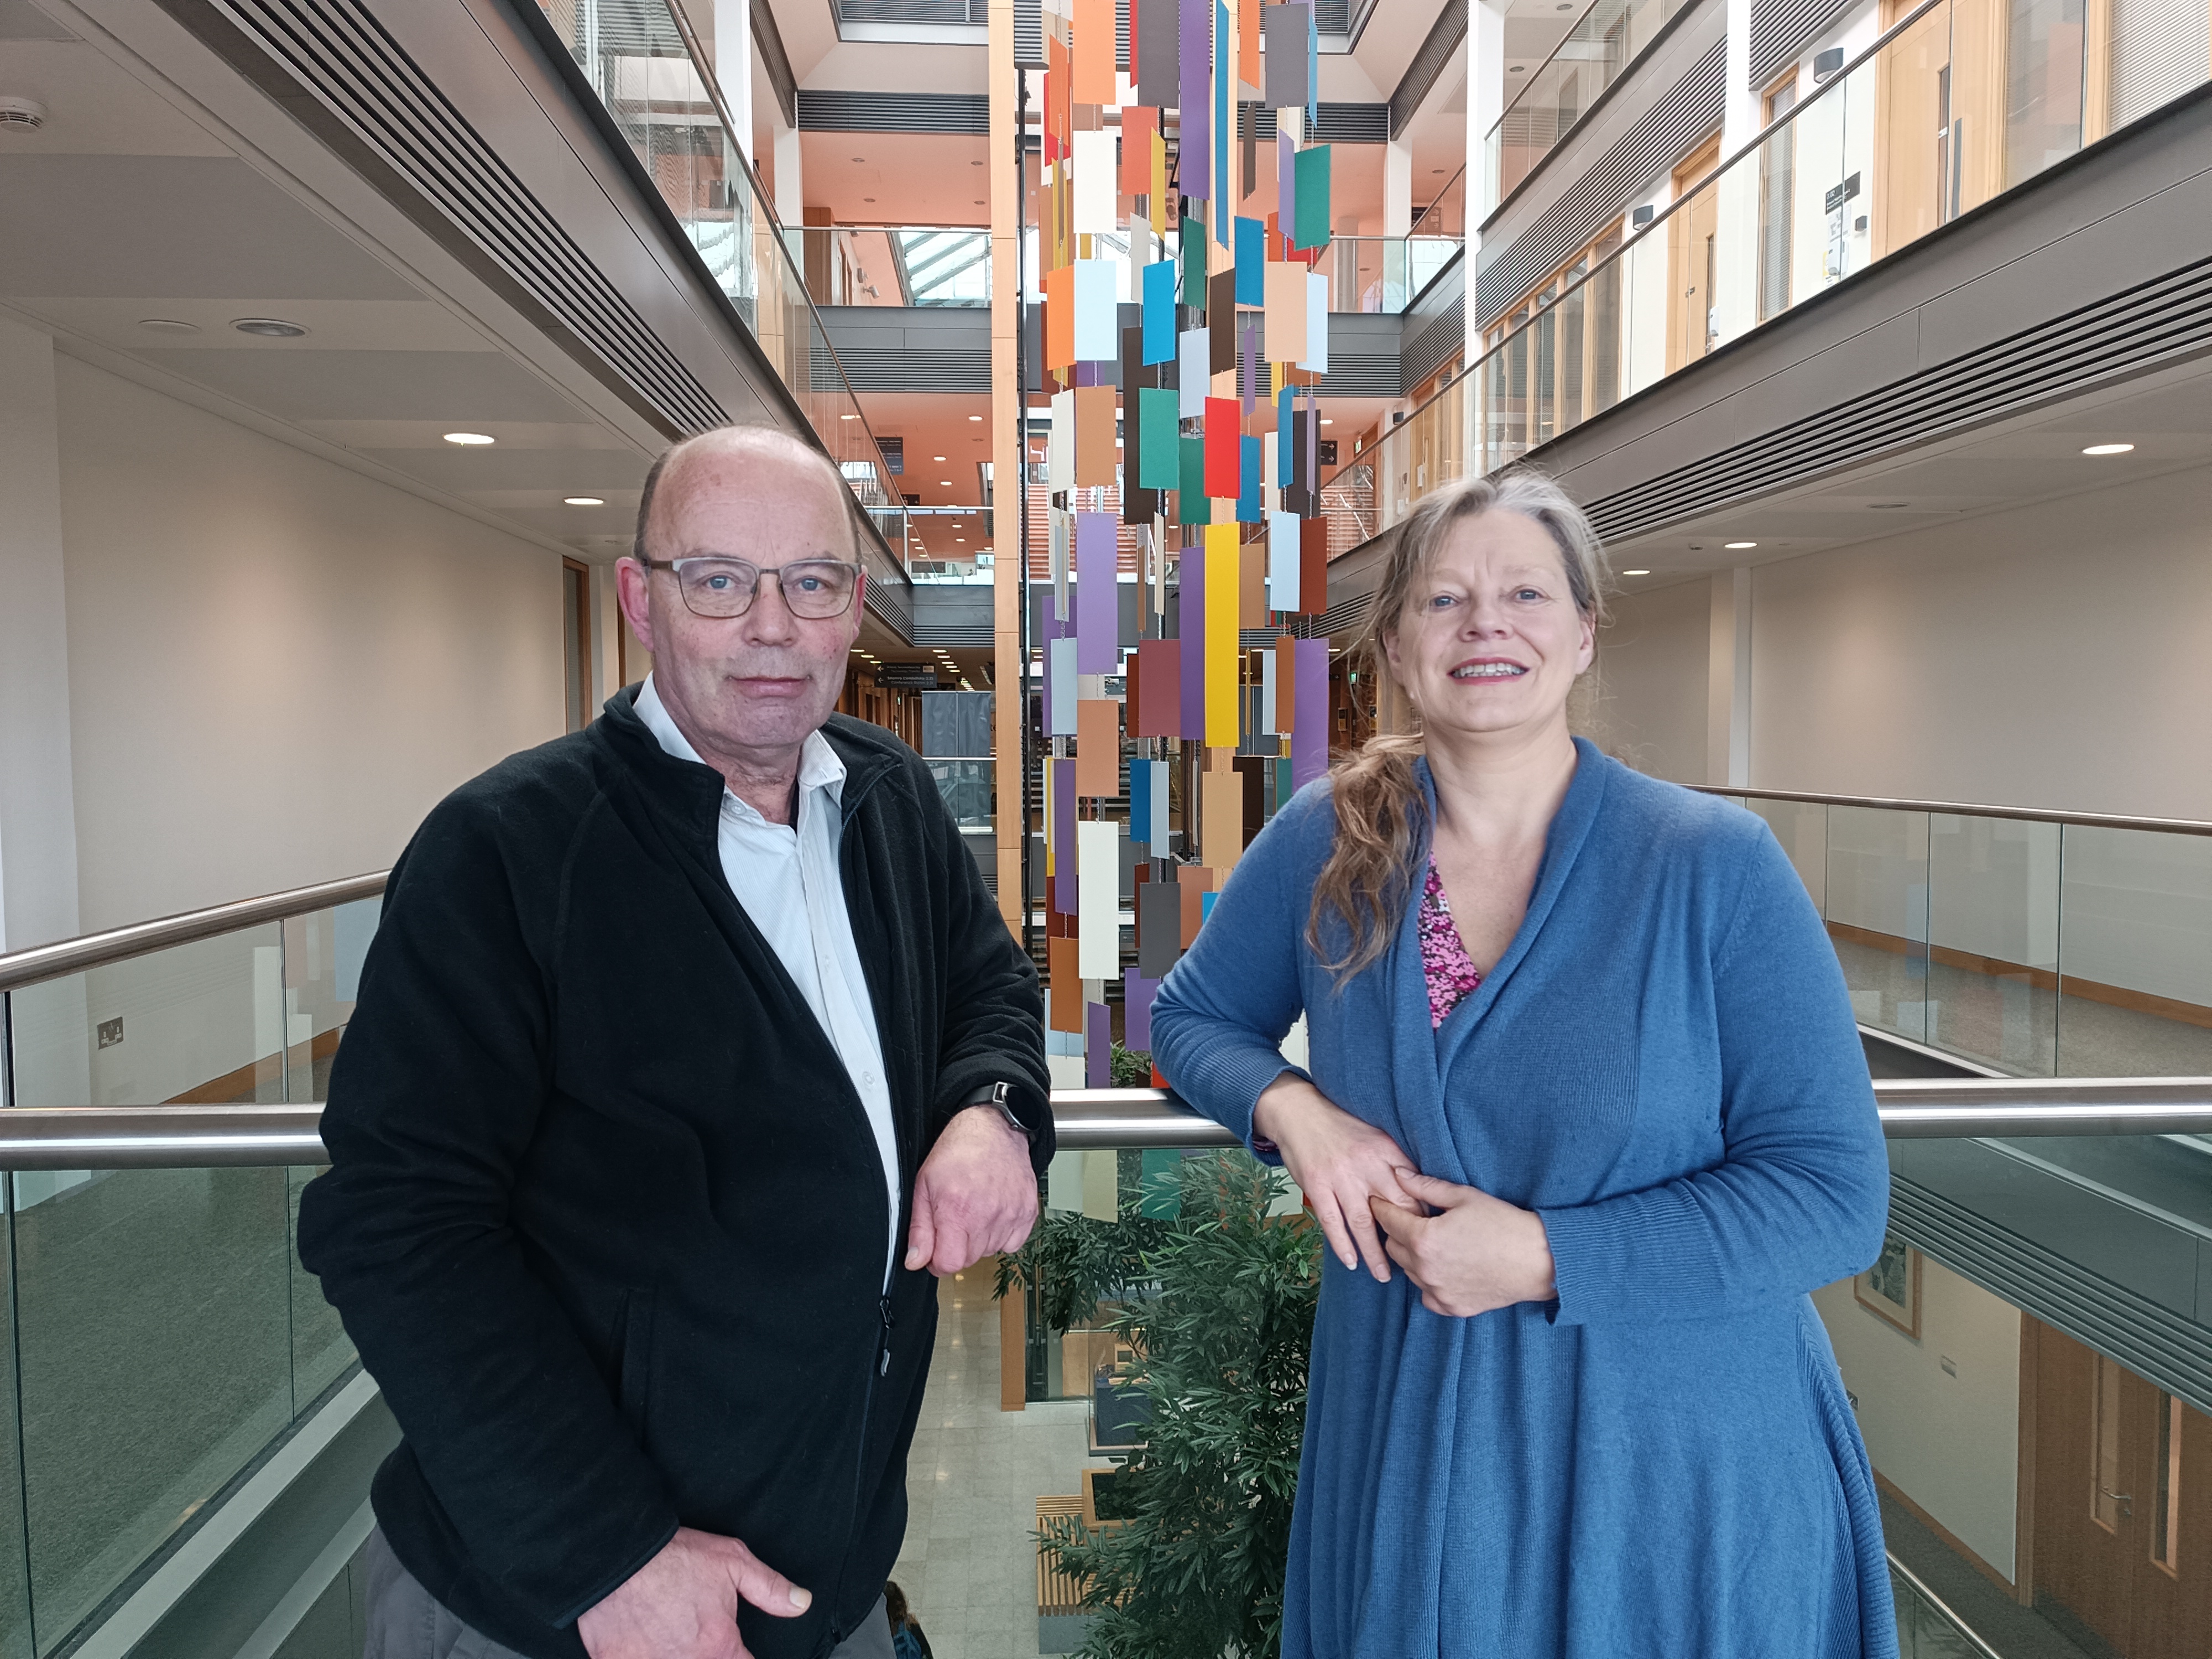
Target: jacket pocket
(635, 1389)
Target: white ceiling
(133, 204)
(2033, 457)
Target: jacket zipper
(880, 1369)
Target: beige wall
(1651, 666)
(1941, 1413)
(276, 665)
(2059, 655)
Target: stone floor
(968, 1568)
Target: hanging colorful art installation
(1182, 213)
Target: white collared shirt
(786, 879)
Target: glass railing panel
(1993, 929)
(1877, 914)
(1445, 215)
(904, 265)
(202, 1022)
(1604, 41)
(1802, 828)
(2135, 958)
(1385, 273)
(153, 1322)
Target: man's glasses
(719, 587)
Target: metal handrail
(1942, 1608)
(1100, 1119)
(1962, 809)
(73, 956)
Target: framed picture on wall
(1891, 1287)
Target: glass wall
(161, 1331)
(1958, 101)
(2034, 949)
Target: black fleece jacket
(605, 1214)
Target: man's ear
(633, 597)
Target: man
(690, 1045)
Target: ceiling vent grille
(2150, 1339)
(2146, 327)
(1780, 29)
(21, 115)
(373, 103)
(825, 111)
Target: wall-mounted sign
(906, 675)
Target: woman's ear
(1586, 653)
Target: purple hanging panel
(1097, 612)
(1098, 1046)
(1309, 735)
(1137, 993)
(1194, 149)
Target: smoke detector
(21, 115)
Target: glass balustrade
(2034, 949)
(639, 60)
(899, 265)
(1605, 40)
(1960, 101)
(163, 1332)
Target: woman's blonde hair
(1369, 876)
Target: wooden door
(2122, 1527)
(1690, 258)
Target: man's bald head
(684, 467)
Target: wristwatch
(999, 1096)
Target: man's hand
(1476, 1253)
(1343, 1165)
(683, 1604)
(975, 1195)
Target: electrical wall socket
(110, 1031)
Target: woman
(1583, 1068)
(907, 1640)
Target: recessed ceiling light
(975, 164)
(168, 325)
(268, 328)
(944, 483)
(1515, 69)
(1737, 547)
(858, 161)
(937, 458)
(867, 198)
(2108, 449)
(848, 417)
(583, 500)
(468, 440)
(1635, 573)
(1329, 419)
(975, 418)
(1885, 506)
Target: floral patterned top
(1451, 973)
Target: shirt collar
(819, 765)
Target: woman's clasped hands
(1466, 1252)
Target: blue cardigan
(1664, 1065)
